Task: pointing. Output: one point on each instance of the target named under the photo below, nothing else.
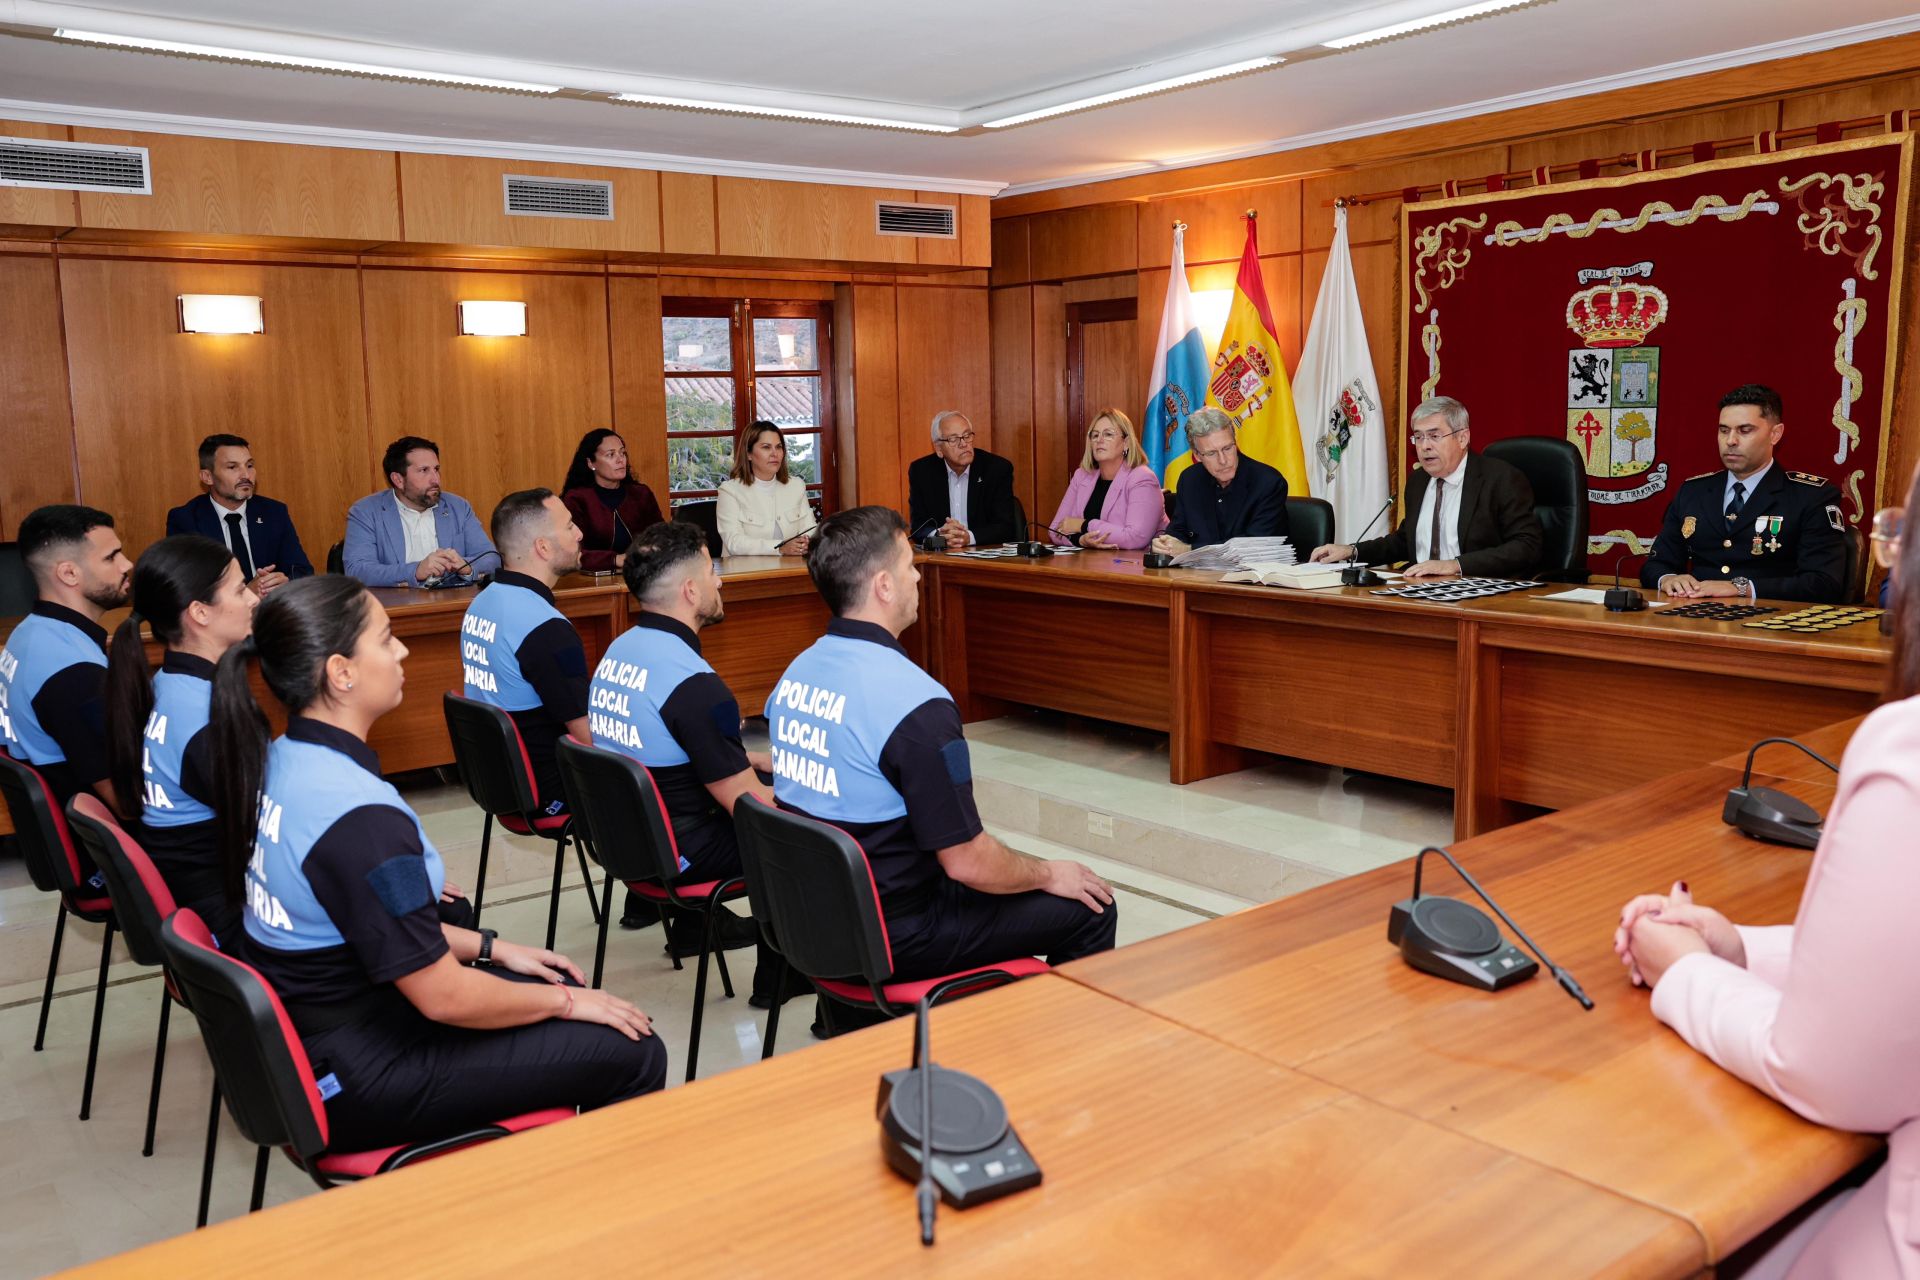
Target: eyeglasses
(963, 438)
(1108, 434)
(1888, 527)
(1432, 437)
(1224, 452)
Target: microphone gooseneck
(1747, 776)
(928, 1199)
(1355, 544)
(1565, 979)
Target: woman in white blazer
(763, 509)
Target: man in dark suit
(1752, 529)
(962, 493)
(1227, 495)
(258, 530)
(1466, 513)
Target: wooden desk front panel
(1089, 654)
(1368, 689)
(1572, 727)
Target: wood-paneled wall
(107, 400)
(1114, 239)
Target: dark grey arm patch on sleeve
(401, 884)
(959, 763)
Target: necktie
(1433, 535)
(238, 541)
(1737, 501)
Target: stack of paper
(1302, 577)
(1236, 554)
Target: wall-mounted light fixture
(1210, 308)
(220, 313)
(493, 319)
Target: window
(734, 361)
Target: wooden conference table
(1517, 703)
(1270, 1093)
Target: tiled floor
(1177, 856)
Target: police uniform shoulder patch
(1835, 519)
(1805, 477)
(1687, 526)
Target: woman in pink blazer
(1114, 499)
(1824, 1014)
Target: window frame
(745, 379)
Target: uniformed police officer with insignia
(655, 698)
(1754, 529)
(866, 740)
(518, 652)
(416, 1028)
(53, 670)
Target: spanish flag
(1249, 381)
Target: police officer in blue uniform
(193, 593)
(866, 740)
(1752, 530)
(655, 698)
(518, 652)
(339, 883)
(53, 670)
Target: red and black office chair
(141, 903)
(493, 764)
(55, 866)
(813, 895)
(264, 1074)
(632, 839)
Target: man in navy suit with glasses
(259, 531)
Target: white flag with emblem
(1338, 399)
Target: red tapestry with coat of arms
(1615, 313)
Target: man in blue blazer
(412, 532)
(259, 531)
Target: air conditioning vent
(559, 198)
(74, 166)
(937, 221)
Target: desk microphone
(1357, 574)
(1452, 940)
(1621, 599)
(1770, 815)
(974, 1155)
(926, 535)
(1037, 550)
(461, 577)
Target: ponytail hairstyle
(171, 574)
(295, 631)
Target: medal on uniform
(1687, 527)
(1773, 532)
(1759, 528)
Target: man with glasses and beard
(53, 671)
(962, 494)
(1466, 514)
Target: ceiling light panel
(1441, 19)
(1136, 91)
(784, 113)
(295, 60)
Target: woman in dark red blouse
(610, 507)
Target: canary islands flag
(1179, 378)
(1250, 383)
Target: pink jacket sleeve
(1079, 486)
(1138, 509)
(1839, 1039)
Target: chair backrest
(615, 798)
(18, 593)
(704, 514)
(258, 1059)
(812, 891)
(491, 756)
(141, 899)
(1552, 466)
(1022, 531)
(337, 558)
(1309, 525)
(53, 860)
(1854, 586)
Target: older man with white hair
(1466, 513)
(1228, 495)
(963, 494)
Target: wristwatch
(1744, 586)
(486, 947)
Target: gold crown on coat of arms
(1616, 314)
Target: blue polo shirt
(53, 680)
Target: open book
(1301, 577)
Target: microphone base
(1032, 551)
(977, 1156)
(1358, 575)
(1156, 560)
(1772, 816)
(1624, 600)
(1457, 941)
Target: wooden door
(1103, 371)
